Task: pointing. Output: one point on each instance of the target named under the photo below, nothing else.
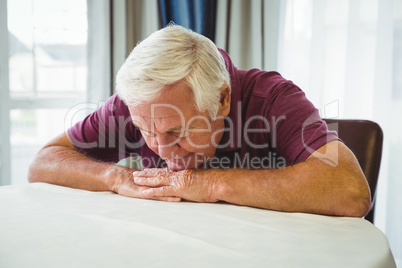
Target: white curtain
(346, 55)
(141, 21)
(248, 31)
(99, 82)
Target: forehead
(173, 104)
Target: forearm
(306, 187)
(66, 167)
(281, 190)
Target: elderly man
(207, 132)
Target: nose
(167, 145)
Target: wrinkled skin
(177, 184)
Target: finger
(143, 174)
(164, 191)
(151, 181)
(138, 193)
(154, 171)
(168, 198)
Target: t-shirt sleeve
(107, 134)
(299, 129)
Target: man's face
(174, 129)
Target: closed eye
(179, 134)
(147, 133)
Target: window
(47, 48)
(49, 69)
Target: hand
(186, 184)
(125, 186)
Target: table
(44, 225)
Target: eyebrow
(137, 126)
(169, 130)
(175, 128)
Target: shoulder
(255, 82)
(113, 107)
(116, 105)
(264, 84)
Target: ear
(224, 102)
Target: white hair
(168, 56)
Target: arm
(329, 182)
(59, 163)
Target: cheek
(151, 143)
(196, 142)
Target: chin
(175, 169)
(178, 167)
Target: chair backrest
(365, 139)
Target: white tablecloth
(43, 225)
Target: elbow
(359, 202)
(359, 209)
(34, 171)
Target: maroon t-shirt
(271, 124)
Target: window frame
(99, 76)
(5, 161)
